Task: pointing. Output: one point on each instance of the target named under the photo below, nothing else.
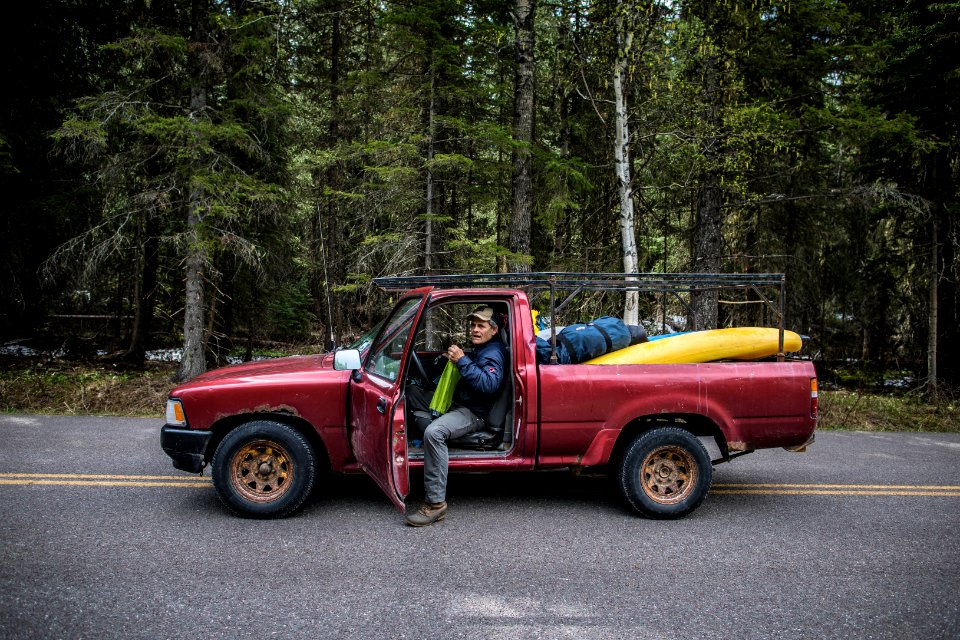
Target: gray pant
(457, 422)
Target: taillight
(814, 400)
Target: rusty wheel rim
(261, 471)
(668, 475)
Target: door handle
(382, 405)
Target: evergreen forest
(225, 175)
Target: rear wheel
(665, 473)
(264, 469)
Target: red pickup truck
(270, 429)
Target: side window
(387, 352)
(446, 323)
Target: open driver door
(377, 422)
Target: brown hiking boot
(427, 514)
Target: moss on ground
(53, 387)
(870, 411)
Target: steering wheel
(420, 369)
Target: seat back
(497, 416)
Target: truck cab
(407, 353)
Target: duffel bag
(582, 341)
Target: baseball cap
(484, 314)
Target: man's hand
(454, 353)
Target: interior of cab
(446, 323)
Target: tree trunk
(146, 289)
(503, 194)
(706, 252)
(948, 318)
(332, 178)
(193, 361)
(932, 382)
(523, 134)
(707, 239)
(428, 227)
(621, 163)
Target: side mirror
(346, 360)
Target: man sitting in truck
(481, 376)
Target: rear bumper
(185, 447)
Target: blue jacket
(481, 376)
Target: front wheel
(665, 473)
(264, 469)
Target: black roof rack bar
(686, 307)
(624, 282)
(573, 294)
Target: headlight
(175, 415)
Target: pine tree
(176, 134)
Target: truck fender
(608, 442)
(600, 449)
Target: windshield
(363, 343)
(386, 354)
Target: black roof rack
(650, 282)
(577, 282)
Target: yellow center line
(721, 488)
(101, 483)
(103, 480)
(773, 485)
(836, 492)
(772, 488)
(93, 476)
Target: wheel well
(224, 426)
(696, 424)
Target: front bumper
(185, 447)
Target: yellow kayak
(744, 343)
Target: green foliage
(867, 411)
(828, 129)
(480, 256)
(289, 312)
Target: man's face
(481, 332)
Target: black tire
(665, 473)
(264, 469)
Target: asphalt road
(857, 538)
